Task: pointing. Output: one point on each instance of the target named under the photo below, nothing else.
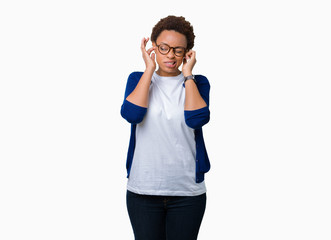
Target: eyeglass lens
(164, 49)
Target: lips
(170, 64)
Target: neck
(167, 74)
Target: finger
(144, 42)
(188, 55)
(150, 50)
(194, 56)
(142, 45)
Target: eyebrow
(170, 46)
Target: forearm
(193, 99)
(140, 94)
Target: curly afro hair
(178, 24)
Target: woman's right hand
(148, 56)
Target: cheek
(179, 61)
(158, 57)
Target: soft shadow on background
(63, 70)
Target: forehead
(172, 38)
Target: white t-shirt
(164, 156)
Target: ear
(153, 44)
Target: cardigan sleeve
(132, 113)
(197, 118)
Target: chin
(173, 71)
(169, 71)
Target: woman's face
(169, 62)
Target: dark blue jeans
(165, 217)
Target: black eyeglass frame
(174, 49)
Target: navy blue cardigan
(195, 119)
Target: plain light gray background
(63, 70)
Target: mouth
(170, 64)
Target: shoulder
(201, 80)
(134, 78)
(135, 75)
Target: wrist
(190, 77)
(186, 74)
(150, 69)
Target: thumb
(184, 61)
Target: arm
(196, 109)
(139, 96)
(136, 96)
(193, 99)
(132, 113)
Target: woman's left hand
(188, 63)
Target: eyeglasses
(165, 49)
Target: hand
(188, 63)
(147, 56)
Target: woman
(167, 158)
